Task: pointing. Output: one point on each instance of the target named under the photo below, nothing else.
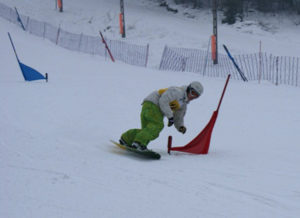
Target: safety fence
(122, 51)
(258, 66)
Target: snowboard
(147, 153)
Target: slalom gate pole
(221, 99)
(107, 48)
(29, 73)
(200, 144)
(235, 64)
(19, 19)
(169, 144)
(13, 47)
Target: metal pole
(60, 5)
(123, 18)
(215, 28)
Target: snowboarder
(170, 102)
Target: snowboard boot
(139, 146)
(123, 142)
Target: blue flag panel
(30, 73)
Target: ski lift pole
(60, 5)
(215, 31)
(122, 19)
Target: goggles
(193, 93)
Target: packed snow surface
(56, 159)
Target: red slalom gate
(107, 48)
(200, 144)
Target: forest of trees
(236, 9)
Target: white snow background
(55, 156)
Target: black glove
(182, 129)
(171, 121)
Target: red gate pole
(228, 77)
(169, 144)
(200, 144)
(106, 46)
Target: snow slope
(56, 159)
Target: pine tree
(232, 8)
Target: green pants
(152, 124)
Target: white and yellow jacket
(172, 103)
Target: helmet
(196, 87)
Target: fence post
(276, 71)
(79, 44)
(44, 30)
(58, 32)
(297, 72)
(206, 59)
(285, 76)
(27, 22)
(292, 69)
(147, 54)
(260, 60)
(271, 67)
(162, 58)
(183, 64)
